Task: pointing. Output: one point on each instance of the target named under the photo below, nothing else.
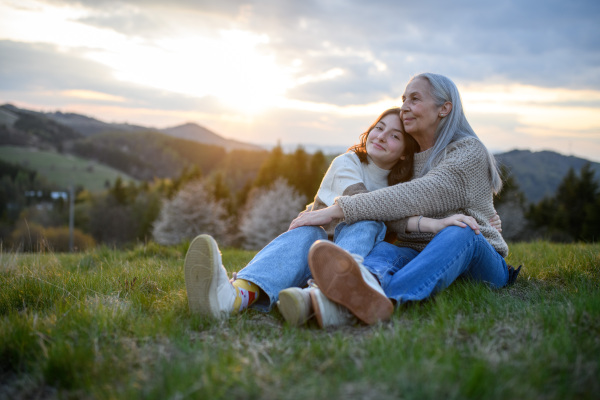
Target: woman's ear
(446, 108)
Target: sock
(247, 294)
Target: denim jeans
(283, 263)
(408, 275)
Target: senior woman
(455, 173)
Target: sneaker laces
(311, 283)
(359, 259)
(233, 277)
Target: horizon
(311, 73)
(291, 147)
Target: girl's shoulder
(348, 158)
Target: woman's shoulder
(467, 145)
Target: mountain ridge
(538, 174)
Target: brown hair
(402, 171)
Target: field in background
(63, 169)
(115, 325)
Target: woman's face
(385, 143)
(419, 113)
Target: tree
(191, 212)
(271, 168)
(268, 213)
(510, 205)
(572, 214)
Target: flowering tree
(191, 212)
(268, 213)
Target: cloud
(553, 45)
(332, 55)
(30, 71)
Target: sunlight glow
(91, 95)
(552, 109)
(231, 69)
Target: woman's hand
(319, 217)
(496, 223)
(459, 220)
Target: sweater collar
(420, 160)
(371, 166)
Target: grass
(112, 324)
(62, 169)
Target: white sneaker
(295, 305)
(347, 282)
(208, 288)
(329, 313)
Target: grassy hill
(115, 325)
(63, 169)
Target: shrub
(191, 212)
(34, 237)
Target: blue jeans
(408, 275)
(283, 263)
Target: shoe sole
(316, 303)
(292, 307)
(339, 278)
(202, 263)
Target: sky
(310, 72)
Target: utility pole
(71, 216)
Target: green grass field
(62, 169)
(115, 325)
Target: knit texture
(460, 183)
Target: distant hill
(88, 126)
(197, 133)
(63, 170)
(145, 152)
(538, 174)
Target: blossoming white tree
(191, 212)
(268, 213)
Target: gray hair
(454, 126)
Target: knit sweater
(346, 176)
(459, 183)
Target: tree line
(242, 209)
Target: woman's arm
(432, 225)
(459, 179)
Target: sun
(231, 68)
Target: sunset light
(297, 78)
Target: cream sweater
(347, 176)
(460, 183)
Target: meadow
(108, 324)
(63, 170)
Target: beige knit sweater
(460, 183)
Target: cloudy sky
(310, 71)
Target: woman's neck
(425, 142)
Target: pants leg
(453, 252)
(360, 237)
(283, 263)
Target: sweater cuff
(345, 204)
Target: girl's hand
(496, 222)
(319, 217)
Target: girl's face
(420, 114)
(385, 143)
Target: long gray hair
(454, 126)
